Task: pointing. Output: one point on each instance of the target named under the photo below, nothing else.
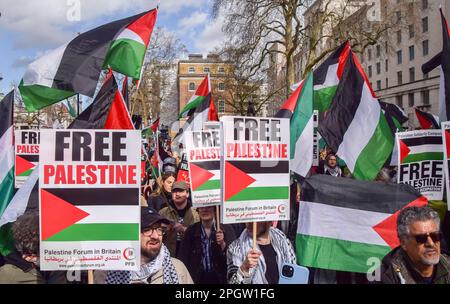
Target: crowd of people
(181, 244)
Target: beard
(430, 261)
(151, 253)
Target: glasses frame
(161, 231)
(435, 236)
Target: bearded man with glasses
(157, 267)
(418, 259)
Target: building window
(399, 37)
(370, 70)
(399, 16)
(399, 57)
(425, 97)
(206, 70)
(424, 4)
(221, 106)
(425, 25)
(425, 48)
(399, 101)
(221, 70)
(378, 84)
(378, 68)
(221, 87)
(412, 74)
(387, 65)
(411, 31)
(191, 86)
(191, 70)
(411, 99)
(399, 78)
(387, 83)
(369, 53)
(425, 75)
(378, 51)
(411, 53)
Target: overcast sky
(30, 28)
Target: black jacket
(191, 253)
(397, 268)
(158, 202)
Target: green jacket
(10, 274)
(170, 239)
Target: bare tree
(268, 28)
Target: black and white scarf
(282, 246)
(163, 260)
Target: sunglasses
(423, 238)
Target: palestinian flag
(71, 215)
(443, 60)
(75, 67)
(423, 148)
(299, 108)
(25, 164)
(6, 165)
(355, 126)
(149, 131)
(127, 51)
(205, 175)
(201, 95)
(395, 117)
(256, 180)
(427, 120)
(327, 77)
(200, 108)
(108, 111)
(344, 222)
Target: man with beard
(418, 259)
(157, 267)
(263, 265)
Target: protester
(157, 267)
(163, 195)
(331, 167)
(22, 266)
(203, 249)
(263, 265)
(179, 211)
(418, 260)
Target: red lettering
(91, 176)
(132, 175)
(80, 175)
(49, 170)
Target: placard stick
(90, 277)
(218, 217)
(254, 235)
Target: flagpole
(78, 104)
(218, 217)
(254, 235)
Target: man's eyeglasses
(423, 238)
(149, 231)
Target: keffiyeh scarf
(146, 271)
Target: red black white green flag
(345, 223)
(355, 126)
(427, 120)
(76, 66)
